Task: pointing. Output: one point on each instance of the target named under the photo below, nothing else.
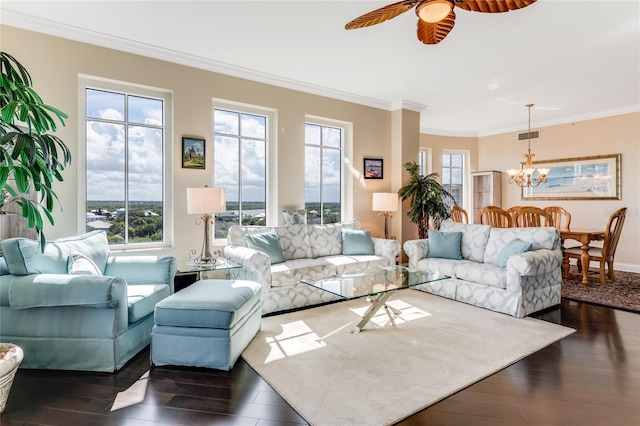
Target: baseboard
(626, 267)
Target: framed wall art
(580, 178)
(193, 153)
(373, 168)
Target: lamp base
(206, 256)
(387, 216)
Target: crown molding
(449, 133)
(408, 105)
(592, 115)
(69, 32)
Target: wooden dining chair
(560, 218)
(458, 214)
(529, 216)
(606, 253)
(512, 212)
(494, 216)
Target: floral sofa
(311, 252)
(528, 281)
(77, 307)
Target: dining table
(584, 236)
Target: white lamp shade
(385, 202)
(205, 200)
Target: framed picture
(579, 178)
(373, 168)
(193, 153)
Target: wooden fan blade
(383, 14)
(492, 6)
(429, 33)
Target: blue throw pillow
(445, 245)
(268, 243)
(515, 246)
(355, 242)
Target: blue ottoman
(208, 324)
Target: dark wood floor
(589, 378)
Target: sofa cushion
(482, 273)
(437, 265)
(445, 245)
(539, 237)
(142, 299)
(79, 264)
(268, 243)
(326, 240)
(474, 238)
(294, 217)
(515, 246)
(356, 242)
(295, 270)
(24, 256)
(350, 264)
(294, 239)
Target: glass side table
(222, 264)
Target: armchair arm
(416, 250)
(386, 248)
(256, 266)
(42, 290)
(143, 269)
(535, 262)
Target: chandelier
(528, 176)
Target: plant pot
(10, 358)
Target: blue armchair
(77, 307)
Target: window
(424, 161)
(323, 182)
(240, 151)
(125, 159)
(453, 175)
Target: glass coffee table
(190, 267)
(376, 285)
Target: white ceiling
(573, 59)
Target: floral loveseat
(528, 281)
(76, 307)
(310, 251)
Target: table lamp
(385, 203)
(205, 201)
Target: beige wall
(617, 134)
(55, 64)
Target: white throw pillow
(79, 264)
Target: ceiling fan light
(433, 11)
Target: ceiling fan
(436, 18)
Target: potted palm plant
(30, 157)
(428, 200)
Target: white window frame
(346, 184)
(424, 157)
(91, 82)
(466, 174)
(271, 209)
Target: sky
(106, 147)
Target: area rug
(384, 374)
(623, 294)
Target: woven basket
(10, 358)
